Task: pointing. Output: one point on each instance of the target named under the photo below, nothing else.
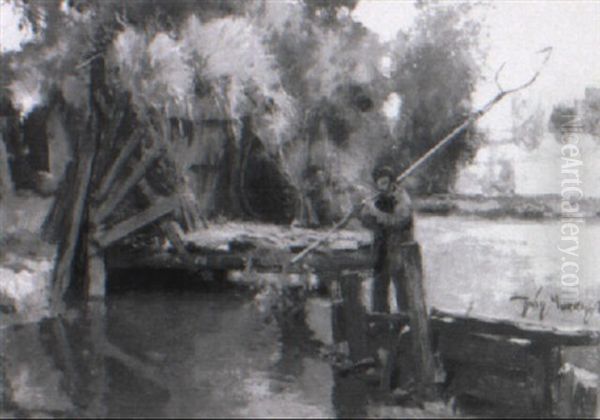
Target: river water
(478, 265)
(179, 348)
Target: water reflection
(209, 351)
(188, 354)
(472, 262)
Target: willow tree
(437, 69)
(329, 63)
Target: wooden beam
(453, 324)
(479, 350)
(550, 335)
(354, 320)
(116, 167)
(98, 384)
(168, 227)
(73, 220)
(111, 202)
(162, 206)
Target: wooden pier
(516, 365)
(512, 367)
(245, 246)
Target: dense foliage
(305, 76)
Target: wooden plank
(110, 203)
(73, 221)
(552, 336)
(498, 351)
(338, 328)
(99, 382)
(496, 387)
(162, 206)
(118, 165)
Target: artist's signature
(535, 303)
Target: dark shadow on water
(167, 280)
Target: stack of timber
(126, 176)
(240, 246)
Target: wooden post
(551, 361)
(96, 314)
(337, 314)
(576, 396)
(77, 214)
(72, 381)
(355, 324)
(408, 267)
(6, 185)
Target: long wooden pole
(328, 235)
(474, 116)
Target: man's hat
(382, 171)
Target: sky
(517, 29)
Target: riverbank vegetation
(132, 115)
(287, 94)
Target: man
(397, 256)
(390, 216)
